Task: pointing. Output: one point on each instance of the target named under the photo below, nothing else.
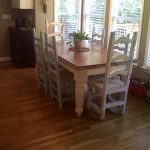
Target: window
(70, 12)
(86, 14)
(147, 54)
(93, 16)
(126, 17)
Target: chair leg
(124, 98)
(123, 109)
(89, 95)
(102, 113)
(38, 82)
(103, 109)
(50, 90)
(60, 105)
(125, 101)
(46, 89)
(59, 99)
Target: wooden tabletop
(82, 59)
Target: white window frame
(81, 21)
(107, 22)
(139, 27)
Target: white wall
(40, 15)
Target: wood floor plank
(30, 120)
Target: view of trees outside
(70, 12)
(93, 16)
(148, 56)
(147, 61)
(126, 15)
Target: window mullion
(107, 14)
(82, 13)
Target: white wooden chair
(122, 47)
(55, 25)
(98, 37)
(61, 81)
(120, 32)
(40, 61)
(112, 82)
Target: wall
(5, 8)
(40, 15)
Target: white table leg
(80, 79)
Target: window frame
(81, 20)
(139, 27)
(107, 22)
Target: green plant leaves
(77, 37)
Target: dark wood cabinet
(22, 47)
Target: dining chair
(62, 85)
(98, 37)
(120, 32)
(122, 47)
(56, 25)
(113, 88)
(42, 79)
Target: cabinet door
(23, 4)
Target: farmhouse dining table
(82, 64)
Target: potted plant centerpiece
(77, 38)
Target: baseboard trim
(5, 59)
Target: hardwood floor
(29, 120)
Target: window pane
(69, 11)
(126, 16)
(93, 16)
(148, 56)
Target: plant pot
(77, 45)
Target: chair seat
(114, 85)
(97, 77)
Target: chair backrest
(52, 60)
(98, 37)
(111, 59)
(123, 45)
(120, 32)
(41, 65)
(39, 48)
(56, 25)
